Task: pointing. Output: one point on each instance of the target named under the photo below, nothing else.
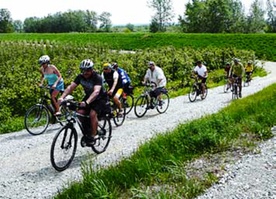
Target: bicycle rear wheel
(63, 148)
(164, 103)
(129, 103)
(37, 119)
(193, 93)
(104, 132)
(141, 106)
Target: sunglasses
(84, 70)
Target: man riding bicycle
(95, 98)
(155, 74)
(237, 71)
(201, 71)
(114, 82)
(126, 81)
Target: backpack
(124, 76)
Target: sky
(122, 11)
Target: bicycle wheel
(129, 103)
(119, 118)
(141, 106)
(205, 93)
(163, 105)
(193, 93)
(104, 131)
(64, 147)
(37, 119)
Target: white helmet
(86, 64)
(44, 59)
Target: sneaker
(160, 103)
(58, 113)
(90, 141)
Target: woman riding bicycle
(55, 82)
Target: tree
(5, 21)
(271, 20)
(18, 26)
(163, 13)
(104, 18)
(255, 20)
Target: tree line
(200, 16)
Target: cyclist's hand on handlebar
(60, 100)
(83, 104)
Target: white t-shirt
(156, 76)
(201, 70)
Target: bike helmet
(107, 66)
(236, 60)
(114, 65)
(44, 59)
(86, 64)
(249, 62)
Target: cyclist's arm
(115, 81)
(41, 77)
(93, 96)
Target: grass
(167, 166)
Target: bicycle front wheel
(104, 132)
(193, 93)
(119, 118)
(163, 105)
(37, 119)
(141, 106)
(64, 148)
(235, 92)
(129, 103)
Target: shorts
(60, 86)
(117, 92)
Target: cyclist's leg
(54, 93)
(240, 85)
(203, 81)
(116, 98)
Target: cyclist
(201, 71)
(54, 79)
(227, 70)
(95, 99)
(126, 81)
(114, 82)
(155, 74)
(237, 71)
(249, 70)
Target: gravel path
(26, 171)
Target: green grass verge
(158, 168)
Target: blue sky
(122, 11)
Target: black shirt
(88, 84)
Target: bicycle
(64, 144)
(39, 116)
(235, 88)
(247, 79)
(145, 101)
(196, 90)
(118, 117)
